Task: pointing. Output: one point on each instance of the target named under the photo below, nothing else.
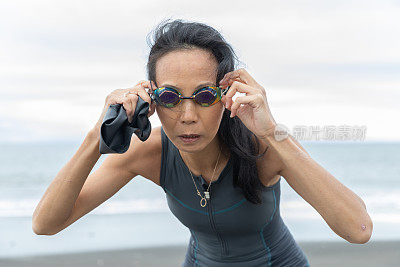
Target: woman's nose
(187, 110)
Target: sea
(138, 215)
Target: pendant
(207, 194)
(201, 202)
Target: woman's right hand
(129, 101)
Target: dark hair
(243, 144)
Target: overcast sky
(321, 62)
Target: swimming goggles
(206, 96)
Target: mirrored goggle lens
(168, 97)
(206, 96)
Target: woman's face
(186, 71)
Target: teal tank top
(229, 230)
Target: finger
(153, 86)
(152, 110)
(242, 75)
(238, 87)
(143, 93)
(236, 78)
(230, 79)
(129, 103)
(140, 82)
(251, 100)
(228, 76)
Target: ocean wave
(381, 207)
(26, 207)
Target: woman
(217, 159)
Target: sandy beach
(326, 254)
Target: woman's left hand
(252, 108)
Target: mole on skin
(362, 227)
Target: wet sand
(326, 254)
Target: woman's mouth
(189, 138)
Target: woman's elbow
(363, 234)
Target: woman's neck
(204, 162)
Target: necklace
(206, 193)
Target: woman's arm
(341, 208)
(58, 201)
